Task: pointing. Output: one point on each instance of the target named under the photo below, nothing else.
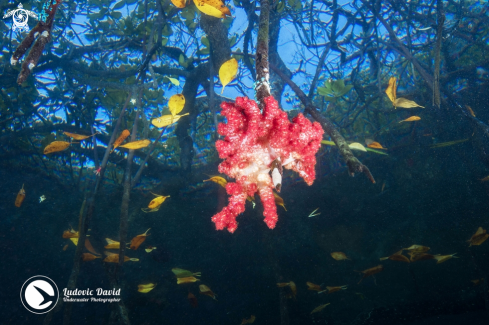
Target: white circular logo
(39, 294)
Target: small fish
(417, 256)
(477, 281)
(383, 186)
(313, 213)
(145, 288)
(65, 247)
(371, 271)
(291, 285)
(205, 290)
(138, 240)
(479, 237)
(485, 179)
(42, 198)
(417, 248)
(339, 256)
(156, 202)
(20, 197)
(319, 308)
(411, 119)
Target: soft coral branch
(42, 32)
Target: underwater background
(110, 66)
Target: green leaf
(119, 5)
(232, 41)
(116, 14)
(164, 41)
(334, 89)
(205, 41)
(167, 31)
(181, 61)
(281, 6)
(295, 4)
(174, 81)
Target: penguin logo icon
(39, 294)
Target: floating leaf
(156, 202)
(227, 72)
(181, 273)
(112, 244)
(449, 143)
(411, 119)
(357, 146)
(166, 120)
(339, 256)
(479, 237)
(205, 290)
(56, 146)
(174, 81)
(391, 89)
(78, 136)
(214, 8)
(398, 102)
(89, 257)
(179, 3)
(176, 104)
(145, 288)
(138, 240)
(136, 144)
(20, 197)
(279, 200)
(319, 308)
(442, 258)
(121, 139)
(405, 103)
(189, 279)
(334, 88)
(373, 144)
(250, 320)
(114, 258)
(313, 286)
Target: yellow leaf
(391, 89)
(145, 288)
(357, 146)
(156, 202)
(137, 144)
(176, 104)
(166, 120)
(78, 136)
(56, 146)
(214, 8)
(227, 72)
(179, 3)
(121, 139)
(405, 103)
(75, 241)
